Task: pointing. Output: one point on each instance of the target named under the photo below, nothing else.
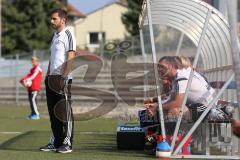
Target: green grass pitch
(20, 138)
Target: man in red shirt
(32, 81)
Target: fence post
(16, 78)
(133, 47)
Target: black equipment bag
(130, 137)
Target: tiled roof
(72, 11)
(120, 2)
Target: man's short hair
(173, 60)
(61, 13)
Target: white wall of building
(106, 19)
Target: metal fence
(13, 67)
(18, 64)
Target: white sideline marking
(100, 133)
(76, 133)
(10, 132)
(83, 133)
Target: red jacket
(35, 76)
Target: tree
(26, 25)
(130, 18)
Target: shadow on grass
(12, 143)
(99, 144)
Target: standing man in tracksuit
(58, 84)
(32, 81)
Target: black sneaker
(48, 147)
(150, 145)
(64, 149)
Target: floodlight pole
(200, 43)
(154, 56)
(0, 28)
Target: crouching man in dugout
(199, 96)
(177, 71)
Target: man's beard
(54, 26)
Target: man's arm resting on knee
(175, 103)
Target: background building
(73, 14)
(100, 25)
